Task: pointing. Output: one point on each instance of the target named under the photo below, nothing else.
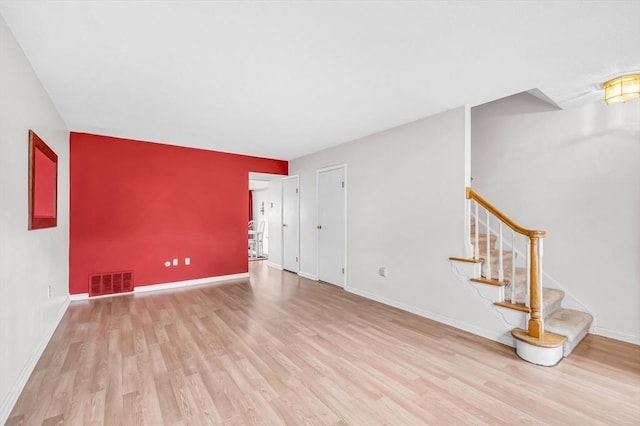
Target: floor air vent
(111, 283)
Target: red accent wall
(134, 205)
(43, 185)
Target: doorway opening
(265, 216)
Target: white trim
(467, 246)
(505, 339)
(85, 296)
(188, 283)
(318, 171)
(467, 146)
(612, 334)
(18, 386)
(539, 355)
(308, 276)
(274, 265)
(164, 286)
(79, 296)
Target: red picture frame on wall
(43, 184)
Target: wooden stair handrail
(471, 194)
(535, 326)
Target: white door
(331, 225)
(290, 215)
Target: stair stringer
(464, 272)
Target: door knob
(284, 224)
(319, 226)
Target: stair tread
(483, 280)
(550, 296)
(465, 259)
(568, 322)
(521, 273)
(548, 339)
(515, 306)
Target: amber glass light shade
(622, 89)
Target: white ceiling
(284, 79)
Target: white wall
(405, 202)
(30, 261)
(576, 174)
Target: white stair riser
(492, 292)
(517, 319)
(539, 355)
(551, 308)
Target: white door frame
(318, 171)
(297, 222)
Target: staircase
(544, 332)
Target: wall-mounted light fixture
(622, 89)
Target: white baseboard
(78, 296)
(14, 393)
(189, 283)
(308, 276)
(274, 265)
(615, 335)
(166, 286)
(478, 331)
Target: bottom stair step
(570, 323)
(551, 300)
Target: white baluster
(540, 271)
(467, 228)
(528, 287)
(488, 259)
(476, 247)
(500, 257)
(513, 266)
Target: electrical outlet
(382, 271)
(175, 262)
(187, 261)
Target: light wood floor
(279, 349)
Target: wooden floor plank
(280, 349)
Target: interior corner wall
(574, 173)
(136, 205)
(405, 211)
(30, 261)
